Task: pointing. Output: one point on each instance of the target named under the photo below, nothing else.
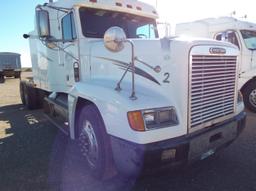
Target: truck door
(229, 36)
(232, 37)
(69, 50)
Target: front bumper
(132, 159)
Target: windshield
(95, 22)
(249, 39)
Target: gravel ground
(34, 155)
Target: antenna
(244, 16)
(233, 13)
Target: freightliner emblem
(215, 50)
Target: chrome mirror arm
(131, 67)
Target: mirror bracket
(114, 39)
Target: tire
(17, 75)
(22, 96)
(41, 94)
(249, 94)
(94, 143)
(30, 96)
(2, 78)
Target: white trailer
(131, 100)
(239, 32)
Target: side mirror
(114, 39)
(26, 36)
(43, 24)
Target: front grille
(212, 92)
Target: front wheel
(249, 94)
(94, 142)
(17, 75)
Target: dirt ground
(34, 155)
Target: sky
(176, 11)
(17, 18)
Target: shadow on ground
(34, 155)
(26, 142)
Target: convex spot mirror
(43, 24)
(114, 39)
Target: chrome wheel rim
(252, 98)
(88, 143)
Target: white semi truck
(130, 99)
(243, 35)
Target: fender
(246, 77)
(113, 103)
(248, 74)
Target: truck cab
(238, 32)
(133, 101)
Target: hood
(169, 55)
(149, 56)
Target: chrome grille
(212, 92)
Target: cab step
(56, 110)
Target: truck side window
(68, 28)
(146, 31)
(232, 38)
(218, 36)
(229, 36)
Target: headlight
(153, 119)
(239, 97)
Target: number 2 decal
(167, 76)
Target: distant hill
(26, 69)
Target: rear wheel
(22, 95)
(249, 93)
(17, 75)
(94, 142)
(30, 97)
(2, 78)
(41, 94)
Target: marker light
(119, 4)
(129, 6)
(138, 8)
(136, 120)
